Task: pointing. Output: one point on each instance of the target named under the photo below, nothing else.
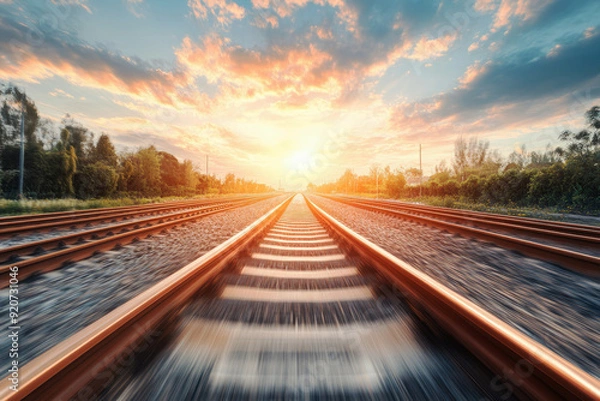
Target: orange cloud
(86, 66)
(472, 72)
(282, 8)
(484, 5)
(508, 10)
(246, 73)
(426, 48)
(222, 10)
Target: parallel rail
(86, 243)
(468, 215)
(493, 341)
(13, 225)
(76, 366)
(468, 225)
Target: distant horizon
(299, 91)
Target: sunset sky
(299, 90)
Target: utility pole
(420, 172)
(207, 165)
(377, 181)
(22, 155)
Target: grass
(35, 206)
(553, 213)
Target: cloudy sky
(299, 90)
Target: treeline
(565, 177)
(71, 162)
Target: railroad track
(51, 253)
(572, 246)
(16, 225)
(297, 306)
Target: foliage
(70, 162)
(566, 177)
(96, 180)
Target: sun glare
(300, 160)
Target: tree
(74, 134)
(395, 184)
(346, 182)
(587, 140)
(170, 173)
(62, 167)
(229, 184)
(470, 156)
(413, 175)
(95, 180)
(190, 179)
(104, 152)
(145, 172)
(442, 173)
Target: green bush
(95, 181)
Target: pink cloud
(246, 73)
(427, 48)
(508, 10)
(472, 73)
(86, 66)
(222, 10)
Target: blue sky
(299, 90)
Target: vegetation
(567, 177)
(69, 162)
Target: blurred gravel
(26, 237)
(55, 305)
(554, 306)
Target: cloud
(531, 75)
(246, 73)
(59, 92)
(223, 10)
(134, 7)
(472, 73)
(330, 59)
(474, 46)
(31, 54)
(519, 16)
(508, 93)
(283, 8)
(79, 3)
(427, 48)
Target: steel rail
(53, 260)
(582, 238)
(9, 253)
(571, 228)
(51, 223)
(577, 261)
(77, 365)
(6, 220)
(501, 347)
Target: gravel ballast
(55, 305)
(556, 307)
(33, 236)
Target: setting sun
(300, 161)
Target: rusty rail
(577, 261)
(13, 225)
(56, 258)
(502, 348)
(571, 228)
(77, 365)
